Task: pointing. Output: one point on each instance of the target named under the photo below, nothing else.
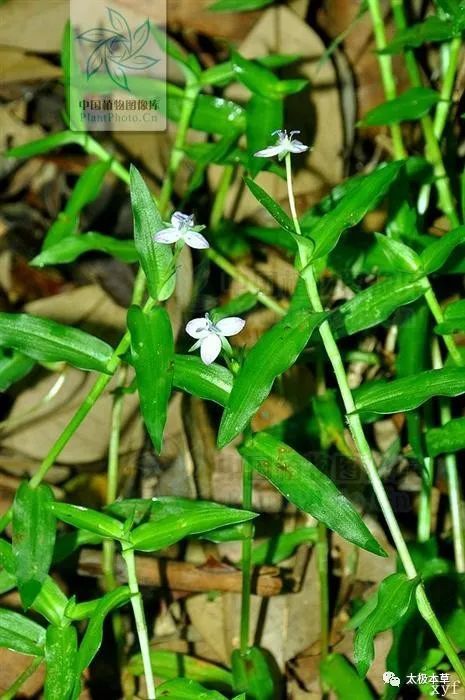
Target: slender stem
(139, 617)
(442, 110)
(220, 196)
(362, 445)
(322, 556)
(387, 75)
(22, 678)
(453, 479)
(436, 311)
(108, 550)
(433, 150)
(247, 485)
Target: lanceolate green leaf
(152, 352)
(85, 191)
(340, 677)
(210, 382)
(156, 258)
(376, 303)
(37, 148)
(280, 547)
(256, 674)
(258, 79)
(308, 488)
(410, 392)
(33, 539)
(51, 601)
(363, 195)
(437, 253)
(20, 634)
(432, 29)
(13, 367)
(394, 596)
(93, 636)
(412, 104)
(49, 341)
(448, 438)
(272, 355)
(88, 519)
(60, 660)
(201, 516)
(270, 205)
(72, 247)
(171, 664)
(454, 319)
(264, 116)
(183, 689)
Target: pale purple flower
(286, 143)
(210, 336)
(182, 228)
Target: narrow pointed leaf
(412, 104)
(85, 191)
(239, 5)
(14, 366)
(341, 677)
(60, 660)
(201, 516)
(33, 539)
(171, 664)
(210, 382)
(72, 247)
(438, 252)
(273, 354)
(433, 29)
(20, 634)
(156, 258)
(448, 438)
(393, 601)
(88, 519)
(183, 689)
(410, 392)
(364, 194)
(375, 304)
(275, 549)
(49, 341)
(256, 674)
(308, 488)
(37, 148)
(152, 352)
(272, 207)
(93, 636)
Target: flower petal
(198, 328)
(269, 152)
(178, 220)
(167, 235)
(196, 240)
(231, 325)
(297, 147)
(210, 348)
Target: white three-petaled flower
(285, 144)
(210, 336)
(182, 228)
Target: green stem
(363, 448)
(387, 75)
(442, 110)
(139, 617)
(323, 572)
(438, 316)
(222, 191)
(453, 479)
(247, 487)
(433, 150)
(12, 691)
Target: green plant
(405, 262)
